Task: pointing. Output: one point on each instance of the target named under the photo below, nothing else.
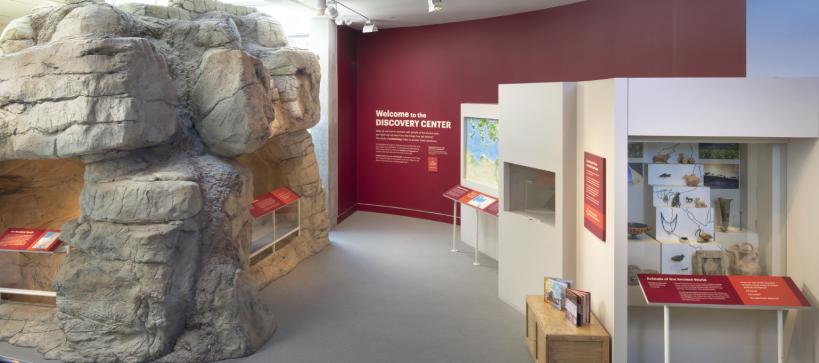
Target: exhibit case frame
(780, 112)
(276, 217)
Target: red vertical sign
(594, 195)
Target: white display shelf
(63, 249)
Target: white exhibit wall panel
(536, 131)
(803, 246)
(601, 266)
(723, 107)
(469, 216)
(528, 136)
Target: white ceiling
(402, 13)
(386, 13)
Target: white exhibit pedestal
(475, 262)
(780, 330)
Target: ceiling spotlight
(435, 5)
(369, 27)
(348, 21)
(332, 11)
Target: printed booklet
(578, 307)
(554, 291)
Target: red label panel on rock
(285, 195)
(47, 242)
(19, 238)
(270, 202)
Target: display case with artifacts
(706, 215)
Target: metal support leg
(667, 333)
(477, 236)
(780, 336)
(454, 225)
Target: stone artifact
(724, 213)
(143, 133)
(709, 263)
(691, 180)
(683, 159)
(636, 229)
(703, 236)
(744, 259)
(661, 158)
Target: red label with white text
(721, 290)
(594, 195)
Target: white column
(667, 333)
(454, 225)
(324, 42)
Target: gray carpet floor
(386, 290)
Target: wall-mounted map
(481, 143)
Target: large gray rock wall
(174, 111)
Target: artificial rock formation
(178, 116)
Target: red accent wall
(347, 78)
(435, 68)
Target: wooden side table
(553, 339)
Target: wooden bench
(552, 339)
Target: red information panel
(777, 291)
(285, 195)
(267, 203)
(473, 198)
(19, 238)
(432, 164)
(456, 192)
(30, 239)
(594, 195)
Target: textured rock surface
(84, 96)
(232, 102)
(155, 101)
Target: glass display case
(531, 192)
(276, 217)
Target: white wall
(723, 107)
(782, 38)
(535, 119)
(803, 245)
(601, 266)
